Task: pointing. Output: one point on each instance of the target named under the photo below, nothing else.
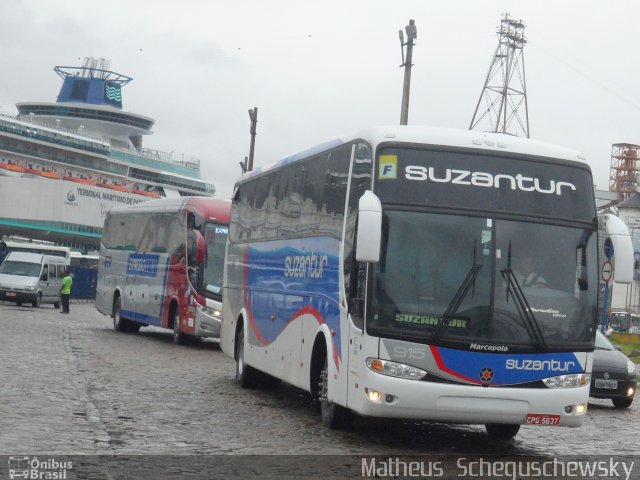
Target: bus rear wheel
(502, 431)
(246, 376)
(333, 416)
(119, 324)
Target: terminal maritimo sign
(62, 201)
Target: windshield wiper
(522, 305)
(456, 301)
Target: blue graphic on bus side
(508, 369)
(143, 264)
(288, 278)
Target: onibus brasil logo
(33, 468)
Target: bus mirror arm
(369, 228)
(618, 232)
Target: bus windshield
(215, 236)
(478, 279)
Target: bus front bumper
(207, 323)
(412, 399)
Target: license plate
(10, 294)
(610, 384)
(542, 419)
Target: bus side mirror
(618, 232)
(200, 247)
(369, 228)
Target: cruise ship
(63, 164)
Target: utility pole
(253, 115)
(412, 34)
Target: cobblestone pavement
(70, 384)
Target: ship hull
(57, 210)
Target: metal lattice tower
(625, 169)
(504, 94)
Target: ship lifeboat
(12, 167)
(146, 194)
(120, 188)
(43, 173)
(85, 181)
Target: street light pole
(253, 115)
(412, 34)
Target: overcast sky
(318, 69)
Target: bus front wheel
(179, 338)
(333, 416)
(502, 431)
(246, 376)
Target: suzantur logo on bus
(539, 365)
(305, 266)
(484, 179)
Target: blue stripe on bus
(505, 369)
(140, 317)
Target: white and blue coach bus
(388, 274)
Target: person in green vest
(65, 291)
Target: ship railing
(58, 136)
(147, 159)
(53, 129)
(193, 163)
(184, 184)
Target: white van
(32, 277)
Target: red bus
(161, 264)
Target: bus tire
(333, 416)
(119, 324)
(246, 376)
(36, 303)
(502, 431)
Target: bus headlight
(393, 369)
(212, 312)
(631, 367)
(568, 381)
